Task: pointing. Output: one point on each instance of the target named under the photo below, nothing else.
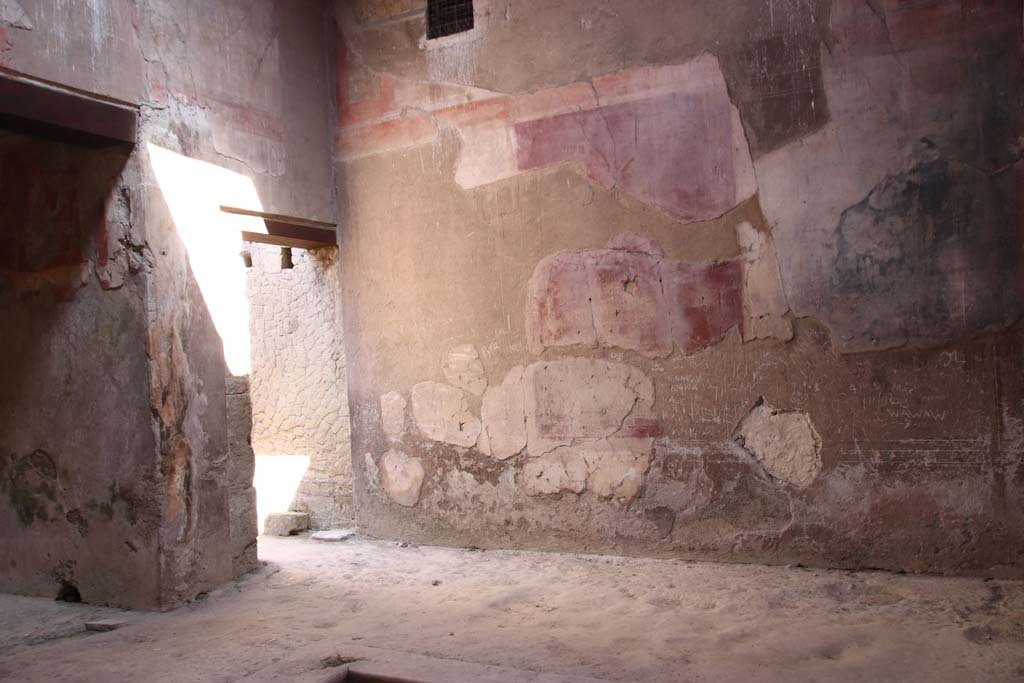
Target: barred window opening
(446, 17)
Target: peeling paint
(606, 468)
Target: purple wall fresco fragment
(641, 301)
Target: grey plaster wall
(240, 85)
(80, 509)
(241, 468)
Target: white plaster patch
(462, 368)
(616, 472)
(585, 398)
(392, 414)
(460, 493)
(401, 476)
(563, 470)
(503, 417)
(612, 468)
(784, 442)
(488, 155)
(764, 301)
(442, 414)
(452, 58)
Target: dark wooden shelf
(287, 231)
(50, 111)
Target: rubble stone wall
(300, 400)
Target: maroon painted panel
(674, 152)
(632, 300)
(559, 313)
(705, 301)
(629, 309)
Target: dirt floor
(424, 610)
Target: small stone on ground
(285, 523)
(333, 535)
(104, 624)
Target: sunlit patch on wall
(194, 191)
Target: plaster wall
(730, 280)
(79, 499)
(129, 400)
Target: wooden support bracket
(287, 231)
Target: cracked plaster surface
(442, 413)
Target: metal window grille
(445, 17)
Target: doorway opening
(298, 388)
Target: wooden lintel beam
(52, 112)
(287, 231)
(281, 218)
(282, 241)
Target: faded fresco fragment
(778, 187)
(666, 135)
(641, 301)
